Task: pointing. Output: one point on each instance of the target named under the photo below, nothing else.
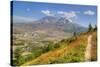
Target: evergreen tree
(90, 28)
(95, 28)
(74, 34)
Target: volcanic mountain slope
(61, 23)
(50, 23)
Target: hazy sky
(30, 11)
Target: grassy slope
(72, 52)
(94, 47)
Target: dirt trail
(88, 49)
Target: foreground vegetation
(65, 51)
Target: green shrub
(37, 52)
(57, 45)
(74, 55)
(17, 54)
(69, 40)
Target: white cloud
(22, 19)
(61, 12)
(71, 14)
(68, 15)
(89, 12)
(47, 12)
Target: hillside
(72, 50)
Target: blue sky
(31, 11)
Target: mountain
(47, 19)
(60, 23)
(69, 26)
(50, 24)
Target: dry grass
(53, 55)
